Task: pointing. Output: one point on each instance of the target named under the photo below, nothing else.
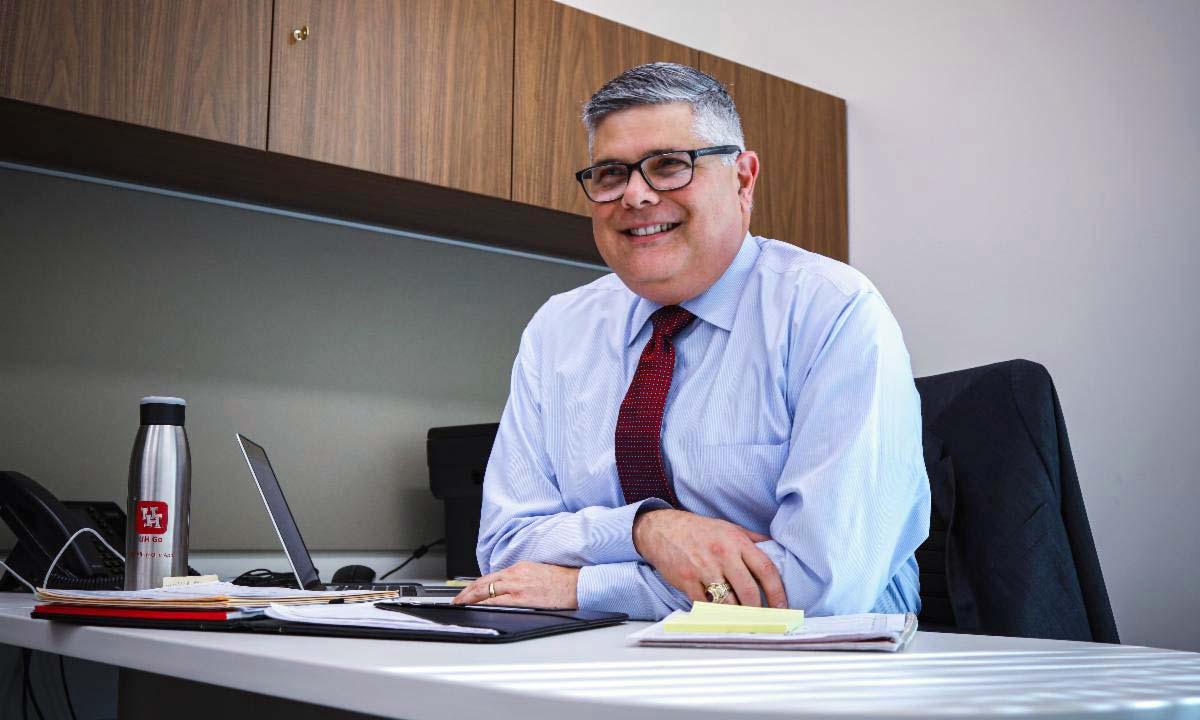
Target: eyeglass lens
(663, 172)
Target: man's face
(706, 220)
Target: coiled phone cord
(68, 579)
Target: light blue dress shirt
(792, 412)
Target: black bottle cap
(159, 410)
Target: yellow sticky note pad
(188, 580)
(713, 618)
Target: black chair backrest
(937, 612)
(1010, 550)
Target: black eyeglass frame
(630, 167)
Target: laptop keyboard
(402, 588)
(405, 589)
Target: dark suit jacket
(1016, 556)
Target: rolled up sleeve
(853, 495)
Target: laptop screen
(281, 514)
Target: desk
(595, 674)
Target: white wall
(1025, 182)
(336, 348)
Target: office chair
(1010, 550)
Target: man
(726, 417)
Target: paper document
(866, 631)
(208, 595)
(365, 615)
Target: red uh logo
(151, 517)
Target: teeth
(650, 230)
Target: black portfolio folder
(511, 624)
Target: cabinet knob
(300, 33)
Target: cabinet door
(198, 67)
(800, 136)
(563, 56)
(419, 89)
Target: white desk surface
(596, 674)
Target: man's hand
(691, 551)
(526, 584)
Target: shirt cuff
(629, 587)
(611, 531)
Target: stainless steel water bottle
(160, 491)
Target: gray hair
(715, 119)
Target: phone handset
(46, 529)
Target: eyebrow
(656, 151)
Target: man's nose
(638, 192)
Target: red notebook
(94, 611)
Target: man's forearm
(591, 536)
(633, 588)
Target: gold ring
(717, 592)
(491, 589)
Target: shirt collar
(716, 305)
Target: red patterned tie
(639, 424)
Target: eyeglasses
(662, 172)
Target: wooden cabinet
(380, 111)
(419, 89)
(197, 67)
(563, 56)
(800, 136)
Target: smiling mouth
(650, 230)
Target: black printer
(458, 457)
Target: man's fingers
(482, 596)
(467, 595)
(767, 574)
(689, 585)
(743, 584)
(498, 600)
(756, 537)
(477, 591)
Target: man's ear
(747, 174)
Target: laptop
(297, 553)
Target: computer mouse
(353, 574)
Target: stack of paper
(366, 615)
(215, 595)
(868, 631)
(715, 618)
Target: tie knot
(670, 320)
